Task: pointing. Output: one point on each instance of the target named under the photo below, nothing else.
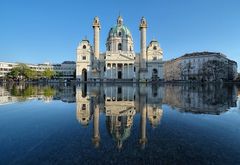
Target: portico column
(116, 93)
(116, 71)
(128, 95)
(123, 71)
(129, 75)
(128, 71)
(111, 68)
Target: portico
(118, 70)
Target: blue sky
(49, 30)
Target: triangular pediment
(120, 57)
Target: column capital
(143, 23)
(96, 23)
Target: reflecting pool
(119, 124)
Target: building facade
(119, 62)
(200, 66)
(65, 70)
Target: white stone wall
(84, 59)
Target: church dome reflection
(119, 126)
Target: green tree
(48, 91)
(30, 74)
(48, 73)
(22, 71)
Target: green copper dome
(119, 30)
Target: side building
(65, 70)
(200, 66)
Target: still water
(119, 124)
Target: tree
(48, 73)
(48, 91)
(185, 70)
(30, 74)
(22, 71)
(231, 73)
(214, 70)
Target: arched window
(84, 47)
(119, 34)
(154, 48)
(119, 46)
(130, 48)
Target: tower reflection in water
(120, 104)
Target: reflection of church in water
(120, 105)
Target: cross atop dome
(120, 21)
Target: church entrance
(84, 75)
(119, 74)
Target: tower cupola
(120, 21)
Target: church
(119, 62)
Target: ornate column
(96, 27)
(143, 137)
(143, 54)
(143, 112)
(96, 134)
